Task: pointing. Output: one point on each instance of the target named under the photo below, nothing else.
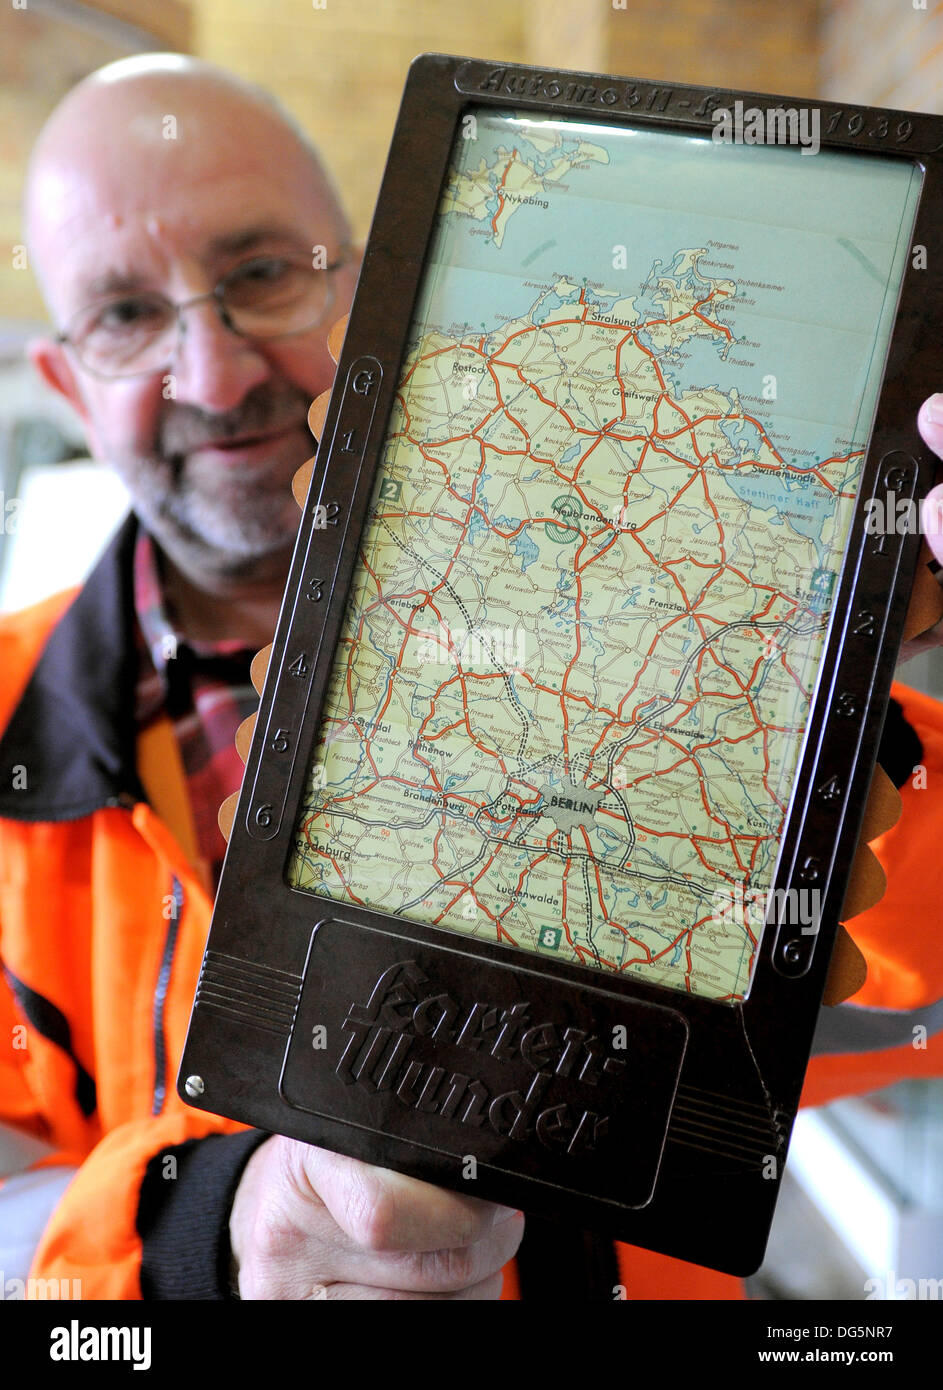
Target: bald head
(134, 132)
(156, 181)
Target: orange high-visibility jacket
(103, 918)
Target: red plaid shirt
(205, 689)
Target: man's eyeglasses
(138, 332)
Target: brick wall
(339, 65)
(340, 69)
(41, 57)
(36, 69)
(757, 45)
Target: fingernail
(933, 516)
(933, 409)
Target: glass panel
(598, 566)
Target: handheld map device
(572, 710)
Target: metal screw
(791, 952)
(194, 1086)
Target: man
(167, 196)
(161, 176)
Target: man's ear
(50, 361)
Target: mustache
(265, 410)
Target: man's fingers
(398, 1233)
(382, 1210)
(437, 1271)
(930, 425)
(310, 1224)
(931, 520)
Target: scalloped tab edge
(301, 482)
(867, 882)
(244, 734)
(259, 667)
(227, 814)
(335, 338)
(866, 886)
(318, 412)
(847, 972)
(882, 809)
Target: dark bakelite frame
(676, 1153)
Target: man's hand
(310, 1224)
(930, 425)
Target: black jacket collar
(73, 730)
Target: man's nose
(213, 367)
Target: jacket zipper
(160, 996)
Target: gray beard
(235, 525)
(225, 541)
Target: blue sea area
(810, 278)
(805, 506)
(648, 305)
(743, 435)
(548, 304)
(839, 231)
